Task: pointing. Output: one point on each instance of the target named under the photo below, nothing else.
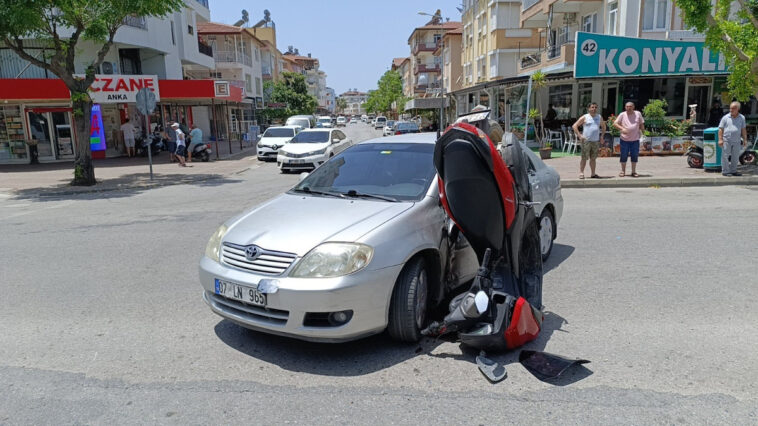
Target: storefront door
(51, 129)
(698, 95)
(610, 97)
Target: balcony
(266, 72)
(204, 48)
(421, 88)
(204, 3)
(426, 68)
(136, 22)
(534, 13)
(553, 59)
(529, 61)
(424, 47)
(682, 35)
(230, 56)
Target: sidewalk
(51, 179)
(671, 170)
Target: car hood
(269, 141)
(298, 223)
(303, 147)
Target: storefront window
(560, 98)
(585, 96)
(517, 97)
(672, 90)
(12, 145)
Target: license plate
(297, 161)
(240, 292)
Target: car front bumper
(366, 293)
(305, 163)
(267, 152)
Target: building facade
(354, 101)
(425, 59)
(331, 100)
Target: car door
(539, 185)
(343, 141)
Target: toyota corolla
(360, 245)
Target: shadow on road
(124, 186)
(560, 253)
(355, 358)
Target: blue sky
(354, 41)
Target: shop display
(12, 145)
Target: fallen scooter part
(546, 366)
(493, 371)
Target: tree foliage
(64, 25)
(389, 90)
(731, 28)
(341, 104)
(292, 90)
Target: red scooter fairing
(479, 193)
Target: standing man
(631, 124)
(731, 128)
(171, 137)
(592, 133)
(180, 144)
(128, 130)
(196, 138)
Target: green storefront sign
(599, 55)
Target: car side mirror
(303, 175)
(335, 140)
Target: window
(493, 19)
(655, 14)
(173, 37)
(493, 66)
(560, 99)
(248, 83)
(589, 23)
(190, 30)
(585, 96)
(613, 9)
(257, 54)
(258, 87)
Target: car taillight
(397, 132)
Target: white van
(303, 121)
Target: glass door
(63, 139)
(698, 95)
(39, 130)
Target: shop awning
(426, 103)
(53, 89)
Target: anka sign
(599, 55)
(110, 89)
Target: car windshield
(390, 123)
(280, 132)
(406, 126)
(324, 120)
(311, 137)
(400, 171)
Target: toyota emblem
(252, 252)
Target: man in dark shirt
(715, 115)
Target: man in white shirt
(128, 130)
(593, 131)
(181, 144)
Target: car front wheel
(407, 314)
(547, 233)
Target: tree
(64, 25)
(341, 104)
(389, 90)
(292, 90)
(539, 82)
(731, 28)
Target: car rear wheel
(409, 302)
(547, 232)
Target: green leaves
(293, 91)
(389, 90)
(735, 35)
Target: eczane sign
(599, 55)
(108, 89)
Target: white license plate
(240, 292)
(297, 161)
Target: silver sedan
(546, 192)
(358, 246)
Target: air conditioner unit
(109, 68)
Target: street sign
(146, 101)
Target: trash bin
(711, 150)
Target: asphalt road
(103, 321)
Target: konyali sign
(600, 55)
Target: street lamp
(442, 69)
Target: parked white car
(273, 139)
(311, 148)
(389, 128)
(380, 122)
(304, 121)
(341, 121)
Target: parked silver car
(359, 245)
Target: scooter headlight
(330, 260)
(213, 248)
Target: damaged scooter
(488, 196)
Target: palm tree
(539, 82)
(341, 104)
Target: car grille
(267, 263)
(307, 154)
(252, 312)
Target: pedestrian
(171, 140)
(550, 115)
(128, 130)
(180, 144)
(731, 128)
(632, 125)
(715, 115)
(196, 138)
(593, 131)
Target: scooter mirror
(303, 175)
(482, 301)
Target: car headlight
(330, 260)
(319, 152)
(213, 248)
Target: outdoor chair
(571, 144)
(555, 137)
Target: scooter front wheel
(748, 157)
(695, 161)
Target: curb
(661, 182)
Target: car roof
(318, 129)
(428, 137)
(283, 127)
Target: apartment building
(158, 53)
(331, 100)
(354, 101)
(315, 78)
(403, 67)
(425, 61)
(450, 49)
(272, 61)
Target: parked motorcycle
(748, 155)
(695, 157)
(200, 152)
(155, 142)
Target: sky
(355, 41)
